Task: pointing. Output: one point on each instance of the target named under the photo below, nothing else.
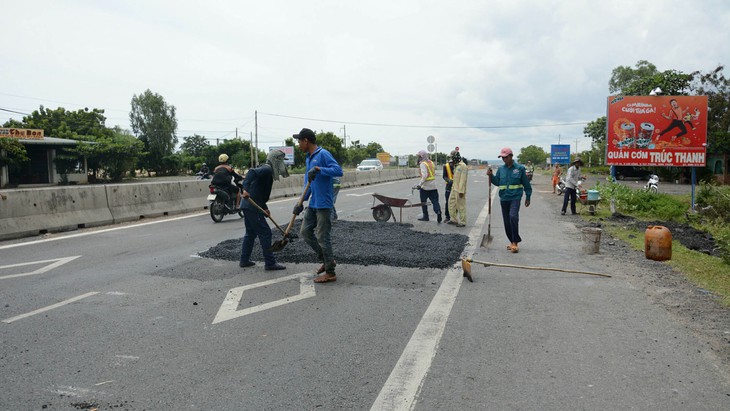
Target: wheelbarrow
(383, 212)
(591, 204)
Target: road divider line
(50, 307)
(401, 390)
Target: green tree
(153, 122)
(716, 87)
(61, 123)
(532, 153)
(645, 77)
(194, 145)
(12, 153)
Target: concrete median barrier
(129, 202)
(33, 211)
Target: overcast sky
(475, 74)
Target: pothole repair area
(360, 243)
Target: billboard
(657, 131)
(288, 153)
(560, 154)
(21, 133)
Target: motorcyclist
(204, 172)
(225, 177)
(530, 169)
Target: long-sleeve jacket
(320, 192)
(512, 182)
(258, 183)
(461, 174)
(428, 175)
(571, 179)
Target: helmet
(223, 158)
(204, 164)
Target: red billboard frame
(657, 131)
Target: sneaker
(274, 267)
(438, 218)
(452, 222)
(423, 219)
(562, 213)
(461, 225)
(246, 264)
(447, 221)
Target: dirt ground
(698, 309)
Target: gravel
(361, 243)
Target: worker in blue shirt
(317, 223)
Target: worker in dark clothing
(448, 176)
(257, 186)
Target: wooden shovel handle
(294, 216)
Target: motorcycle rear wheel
(217, 210)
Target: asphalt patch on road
(361, 243)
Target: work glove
(298, 209)
(312, 174)
(416, 187)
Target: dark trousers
(256, 226)
(570, 194)
(446, 209)
(511, 218)
(432, 195)
(676, 124)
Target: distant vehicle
(623, 172)
(370, 164)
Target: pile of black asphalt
(361, 243)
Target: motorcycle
(560, 187)
(529, 176)
(202, 176)
(652, 185)
(221, 203)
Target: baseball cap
(306, 134)
(505, 152)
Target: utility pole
(576, 147)
(256, 124)
(344, 135)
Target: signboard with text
(560, 154)
(288, 153)
(657, 131)
(22, 133)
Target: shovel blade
(486, 239)
(278, 245)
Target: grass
(708, 272)
(705, 271)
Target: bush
(640, 203)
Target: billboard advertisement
(288, 153)
(560, 154)
(657, 131)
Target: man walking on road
(511, 178)
(317, 223)
(448, 176)
(257, 186)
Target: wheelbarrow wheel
(382, 213)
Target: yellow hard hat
(223, 158)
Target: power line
(424, 126)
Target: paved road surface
(129, 318)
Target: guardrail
(34, 211)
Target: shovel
(250, 200)
(279, 245)
(487, 238)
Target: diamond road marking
(229, 307)
(56, 262)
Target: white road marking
(50, 307)
(229, 307)
(56, 263)
(400, 391)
